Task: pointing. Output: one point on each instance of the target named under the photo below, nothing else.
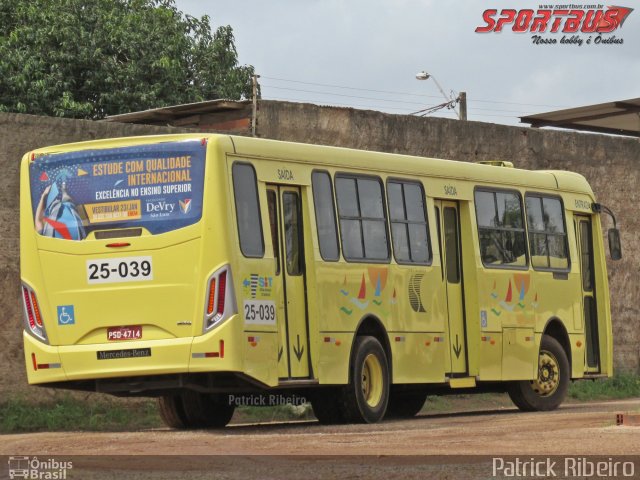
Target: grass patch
(278, 413)
(622, 385)
(71, 414)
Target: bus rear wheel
(195, 410)
(326, 406)
(550, 387)
(405, 405)
(365, 398)
(172, 412)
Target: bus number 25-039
(259, 312)
(112, 270)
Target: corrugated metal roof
(618, 118)
(169, 115)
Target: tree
(92, 58)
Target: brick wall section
(610, 164)
(18, 135)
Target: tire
(327, 406)
(195, 410)
(405, 405)
(172, 412)
(549, 390)
(206, 411)
(365, 398)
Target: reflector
(212, 296)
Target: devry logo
(185, 205)
(556, 18)
(160, 207)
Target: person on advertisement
(57, 215)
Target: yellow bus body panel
(506, 311)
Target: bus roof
(365, 160)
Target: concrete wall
(18, 135)
(610, 164)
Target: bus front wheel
(364, 399)
(550, 387)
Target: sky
(366, 53)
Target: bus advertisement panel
(157, 187)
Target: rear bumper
(206, 353)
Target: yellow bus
(202, 268)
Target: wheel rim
(372, 380)
(548, 375)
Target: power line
(405, 93)
(342, 95)
(349, 88)
(420, 104)
(406, 110)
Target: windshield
(157, 187)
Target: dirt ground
(573, 430)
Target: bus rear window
(158, 187)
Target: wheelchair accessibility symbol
(66, 315)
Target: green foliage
(92, 58)
(622, 385)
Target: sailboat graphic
(508, 298)
(359, 302)
(534, 304)
(377, 300)
(394, 299)
(343, 291)
(522, 292)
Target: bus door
(452, 266)
(285, 209)
(589, 310)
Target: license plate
(132, 332)
(113, 270)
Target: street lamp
(451, 102)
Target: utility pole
(254, 110)
(451, 102)
(462, 98)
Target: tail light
(32, 315)
(220, 301)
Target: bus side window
(292, 233)
(325, 216)
(500, 228)
(245, 192)
(547, 233)
(439, 240)
(363, 224)
(272, 201)
(408, 218)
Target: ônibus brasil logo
(587, 23)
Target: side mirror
(615, 249)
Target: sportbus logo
(586, 23)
